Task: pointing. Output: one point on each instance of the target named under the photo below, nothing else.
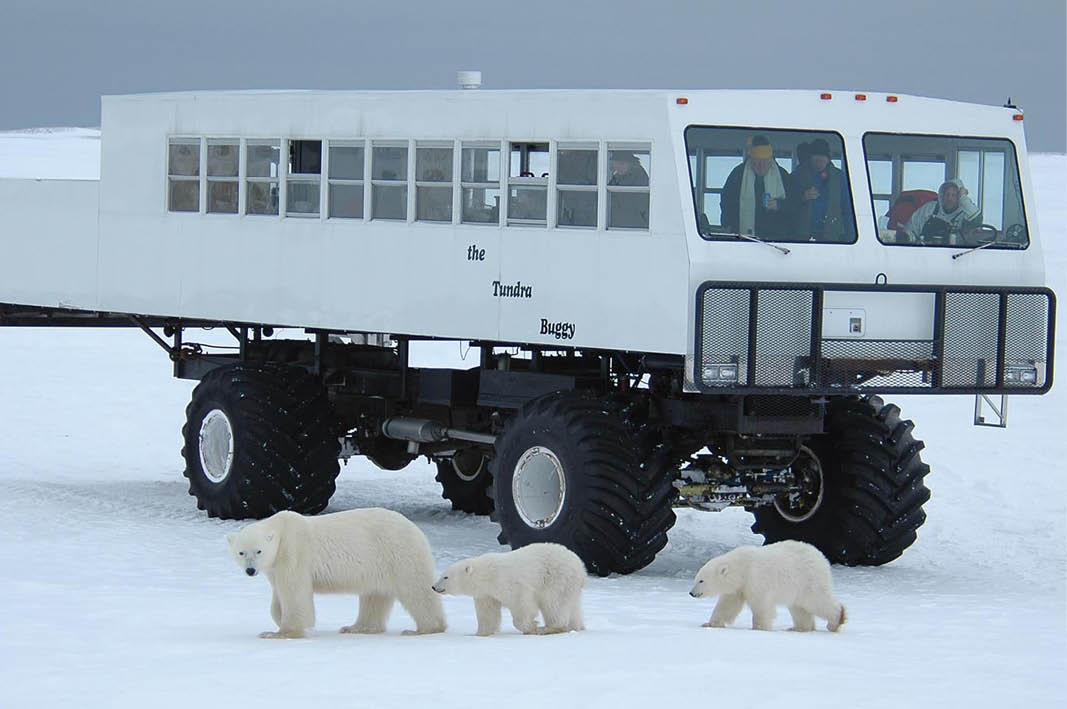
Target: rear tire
(260, 439)
(566, 471)
(465, 480)
(872, 492)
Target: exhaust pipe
(426, 431)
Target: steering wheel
(983, 234)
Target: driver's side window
(948, 191)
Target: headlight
(1021, 374)
(720, 373)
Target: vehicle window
(576, 201)
(947, 191)
(389, 182)
(480, 182)
(302, 186)
(629, 174)
(433, 183)
(528, 184)
(262, 161)
(346, 180)
(770, 184)
(183, 175)
(222, 167)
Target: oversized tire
(259, 439)
(566, 471)
(864, 490)
(465, 481)
(657, 470)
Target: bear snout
(439, 590)
(250, 571)
(694, 594)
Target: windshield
(769, 184)
(945, 191)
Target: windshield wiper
(977, 248)
(749, 238)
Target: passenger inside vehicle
(756, 195)
(949, 219)
(822, 201)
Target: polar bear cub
(539, 577)
(789, 573)
(376, 553)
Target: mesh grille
(877, 364)
(1026, 339)
(1027, 336)
(970, 343)
(783, 338)
(725, 336)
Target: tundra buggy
(677, 298)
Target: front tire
(565, 471)
(260, 439)
(863, 487)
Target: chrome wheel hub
(538, 487)
(216, 446)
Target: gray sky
(57, 58)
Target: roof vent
(469, 79)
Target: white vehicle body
(608, 289)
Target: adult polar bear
(376, 553)
(789, 573)
(538, 577)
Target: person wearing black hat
(626, 170)
(627, 209)
(823, 208)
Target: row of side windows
(471, 182)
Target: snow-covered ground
(116, 591)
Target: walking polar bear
(787, 573)
(539, 577)
(375, 553)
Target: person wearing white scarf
(764, 214)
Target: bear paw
(282, 634)
(426, 631)
(713, 624)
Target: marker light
(826, 97)
(1017, 117)
(861, 97)
(891, 99)
(681, 100)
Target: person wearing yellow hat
(755, 197)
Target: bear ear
(468, 569)
(230, 539)
(723, 570)
(270, 537)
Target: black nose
(250, 571)
(691, 593)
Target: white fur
(789, 573)
(375, 553)
(540, 577)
